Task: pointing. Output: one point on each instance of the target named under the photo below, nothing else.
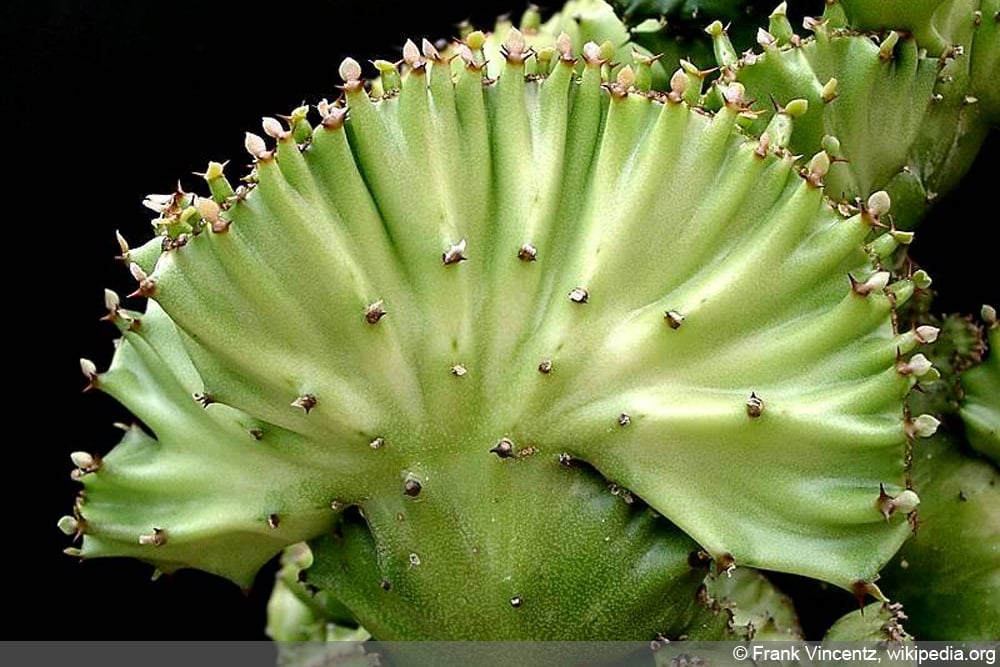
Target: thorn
(458, 370)
(385, 584)
(725, 563)
(755, 406)
(73, 552)
(375, 312)
(147, 285)
(273, 521)
(865, 588)
(412, 488)
(527, 253)
(503, 449)
(256, 433)
(156, 538)
(674, 319)
(306, 401)
(454, 254)
(545, 366)
(204, 398)
(624, 419)
(578, 295)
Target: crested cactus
(585, 334)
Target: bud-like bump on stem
(515, 49)
(256, 147)
(564, 45)
(917, 366)
(624, 419)
(155, 539)
(926, 334)
(887, 46)
(458, 370)
(89, 370)
(112, 301)
(147, 284)
(818, 167)
(212, 214)
(623, 82)
(923, 426)
(905, 502)
(527, 253)
(875, 283)
(306, 401)
(989, 315)
(545, 366)
(375, 312)
(273, 128)
(377, 443)
(755, 406)
(765, 39)
(350, 73)
(412, 487)
(430, 51)
(578, 295)
(85, 461)
(69, 526)
(829, 92)
(503, 449)
(454, 254)
(412, 57)
(592, 54)
(674, 319)
(921, 279)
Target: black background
(108, 101)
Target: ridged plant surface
(490, 331)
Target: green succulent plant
(537, 312)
